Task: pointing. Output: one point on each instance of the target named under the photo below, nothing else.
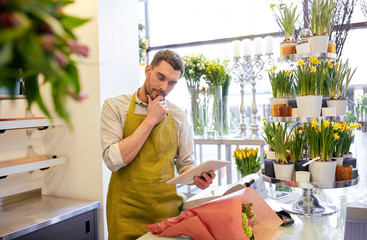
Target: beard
(151, 92)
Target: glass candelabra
(249, 70)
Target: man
(143, 136)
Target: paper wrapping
(221, 219)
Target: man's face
(160, 80)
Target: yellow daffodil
(314, 123)
(267, 70)
(313, 69)
(314, 60)
(330, 65)
(300, 62)
(336, 136)
(263, 119)
(263, 128)
(287, 73)
(336, 126)
(365, 95)
(326, 123)
(272, 6)
(274, 68)
(319, 129)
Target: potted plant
(283, 168)
(194, 71)
(321, 141)
(340, 129)
(269, 129)
(309, 78)
(247, 160)
(338, 78)
(321, 24)
(297, 145)
(282, 90)
(287, 18)
(361, 111)
(38, 46)
(348, 139)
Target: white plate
(187, 177)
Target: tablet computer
(187, 177)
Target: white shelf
(8, 97)
(294, 57)
(30, 164)
(307, 119)
(29, 123)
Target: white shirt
(114, 112)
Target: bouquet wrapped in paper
(240, 215)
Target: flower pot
(343, 172)
(331, 47)
(298, 166)
(294, 112)
(269, 167)
(303, 176)
(348, 155)
(350, 160)
(270, 154)
(323, 171)
(284, 171)
(318, 44)
(303, 48)
(309, 106)
(340, 106)
(276, 104)
(287, 48)
(339, 160)
(328, 111)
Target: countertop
(22, 217)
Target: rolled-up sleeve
(112, 125)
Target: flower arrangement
(361, 108)
(338, 78)
(297, 144)
(321, 17)
(309, 77)
(37, 39)
(281, 82)
(340, 129)
(248, 220)
(349, 136)
(143, 45)
(247, 160)
(194, 69)
(286, 18)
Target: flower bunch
(248, 220)
(194, 69)
(321, 19)
(216, 72)
(247, 160)
(286, 18)
(310, 76)
(349, 136)
(281, 82)
(36, 39)
(338, 78)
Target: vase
(284, 171)
(269, 167)
(303, 48)
(322, 171)
(331, 47)
(287, 48)
(318, 44)
(225, 115)
(213, 108)
(340, 106)
(197, 111)
(309, 105)
(276, 104)
(343, 172)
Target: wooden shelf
(26, 164)
(26, 123)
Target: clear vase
(197, 112)
(213, 111)
(225, 115)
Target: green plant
(269, 129)
(286, 18)
(37, 44)
(321, 19)
(297, 143)
(310, 77)
(247, 160)
(338, 78)
(281, 82)
(349, 136)
(361, 108)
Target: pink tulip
(48, 41)
(61, 58)
(77, 48)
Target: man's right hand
(157, 109)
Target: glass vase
(225, 115)
(197, 112)
(213, 112)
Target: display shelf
(9, 97)
(307, 203)
(307, 119)
(26, 164)
(40, 123)
(295, 57)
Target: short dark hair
(170, 57)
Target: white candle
(258, 46)
(236, 48)
(246, 47)
(268, 45)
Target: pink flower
(48, 41)
(61, 58)
(82, 95)
(77, 48)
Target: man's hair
(170, 57)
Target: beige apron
(138, 194)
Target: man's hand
(204, 180)
(157, 109)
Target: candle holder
(249, 70)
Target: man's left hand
(204, 180)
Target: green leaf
(70, 22)
(6, 53)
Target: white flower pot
(322, 171)
(339, 160)
(294, 112)
(318, 44)
(328, 111)
(303, 48)
(309, 106)
(340, 106)
(284, 171)
(283, 100)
